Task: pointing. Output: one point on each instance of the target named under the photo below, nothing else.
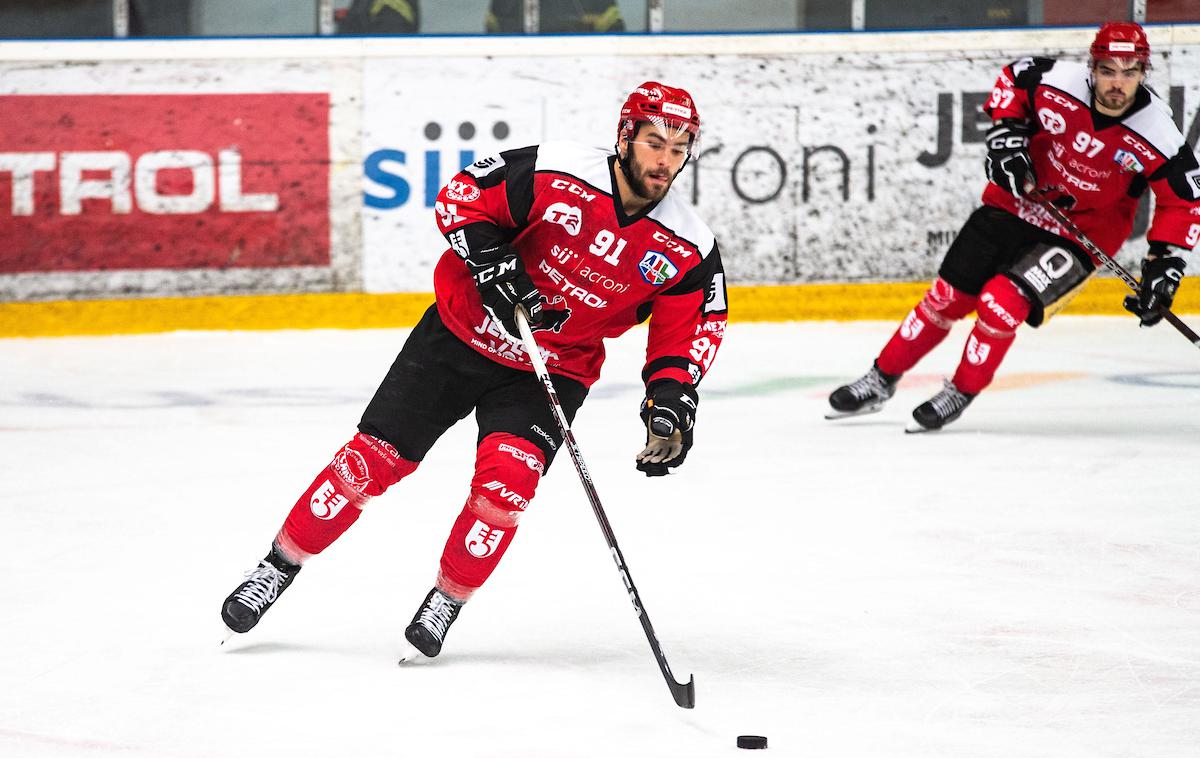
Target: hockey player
(1101, 136)
(588, 243)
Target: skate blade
(410, 655)
(228, 636)
(915, 428)
(835, 415)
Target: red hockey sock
(507, 470)
(924, 327)
(362, 469)
(1002, 308)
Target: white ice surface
(1024, 584)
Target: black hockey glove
(1160, 280)
(669, 412)
(504, 286)
(1008, 164)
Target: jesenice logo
(1052, 120)
(325, 502)
(567, 216)
(483, 540)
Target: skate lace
(262, 586)
(869, 384)
(948, 400)
(437, 615)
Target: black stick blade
(684, 694)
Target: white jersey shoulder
(584, 162)
(1155, 124)
(1072, 78)
(683, 221)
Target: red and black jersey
(1105, 163)
(556, 203)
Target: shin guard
(507, 470)
(924, 327)
(362, 469)
(1002, 308)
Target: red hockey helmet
(1121, 40)
(670, 109)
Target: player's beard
(1114, 99)
(637, 176)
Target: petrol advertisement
(109, 182)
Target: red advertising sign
(105, 182)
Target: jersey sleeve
(1012, 95)
(1176, 186)
(687, 324)
(488, 202)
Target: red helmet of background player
(1121, 40)
(670, 109)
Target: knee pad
(1002, 306)
(362, 469)
(943, 304)
(507, 471)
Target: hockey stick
(684, 694)
(1039, 196)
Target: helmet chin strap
(624, 160)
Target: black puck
(752, 742)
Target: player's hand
(1161, 277)
(504, 285)
(669, 413)
(1008, 164)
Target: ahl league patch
(656, 268)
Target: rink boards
(151, 185)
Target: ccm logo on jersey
(567, 216)
(656, 268)
(1054, 97)
(672, 245)
(1052, 121)
(573, 188)
(462, 192)
(1145, 151)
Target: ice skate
(940, 409)
(864, 395)
(263, 586)
(428, 629)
